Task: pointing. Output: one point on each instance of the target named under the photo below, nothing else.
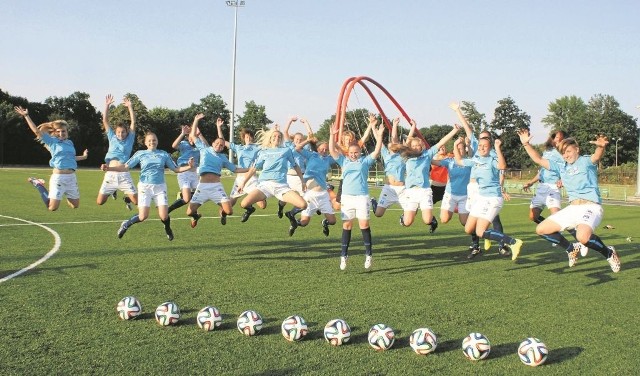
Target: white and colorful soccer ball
(249, 323)
(294, 328)
(168, 313)
(423, 341)
(532, 352)
(209, 318)
(381, 337)
(129, 308)
(476, 346)
(337, 332)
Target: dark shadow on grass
(450, 345)
(361, 338)
(503, 349)
(563, 354)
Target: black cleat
(123, 228)
(325, 227)
(504, 251)
(280, 210)
(292, 221)
(115, 195)
(169, 232)
(247, 214)
(474, 252)
(223, 218)
(433, 225)
(374, 204)
(194, 219)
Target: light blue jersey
(418, 169)
(317, 167)
(63, 153)
(548, 176)
(487, 174)
(212, 162)
(355, 175)
(274, 163)
(152, 164)
(458, 177)
(299, 159)
(246, 154)
(394, 165)
(119, 149)
(580, 178)
(187, 151)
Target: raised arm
(377, 133)
(84, 156)
(219, 123)
(185, 130)
(455, 106)
(447, 137)
(502, 163)
(600, 143)
(132, 115)
(108, 101)
(373, 120)
(25, 114)
(525, 138)
(195, 131)
(332, 144)
(394, 130)
(308, 127)
(412, 130)
(285, 133)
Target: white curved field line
(44, 258)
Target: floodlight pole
(617, 139)
(638, 172)
(236, 5)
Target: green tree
(507, 120)
(476, 120)
(213, 107)
(568, 113)
(435, 133)
(119, 114)
(254, 118)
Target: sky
(293, 56)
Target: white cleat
(367, 262)
(343, 262)
(583, 250)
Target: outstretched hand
(525, 136)
(21, 111)
(601, 141)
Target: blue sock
(346, 239)
(366, 237)
(598, 245)
(44, 194)
(498, 236)
(561, 241)
(133, 220)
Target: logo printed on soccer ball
(423, 341)
(337, 332)
(209, 318)
(129, 308)
(168, 313)
(532, 352)
(249, 323)
(381, 337)
(476, 346)
(294, 328)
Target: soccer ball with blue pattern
(532, 352)
(381, 337)
(337, 332)
(423, 341)
(294, 328)
(129, 308)
(209, 318)
(249, 323)
(168, 313)
(476, 346)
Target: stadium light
(638, 172)
(236, 5)
(616, 140)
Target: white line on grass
(44, 258)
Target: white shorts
(473, 191)
(547, 195)
(152, 192)
(251, 185)
(573, 215)
(355, 207)
(63, 184)
(416, 197)
(209, 192)
(114, 181)
(390, 195)
(271, 188)
(295, 183)
(188, 180)
(451, 202)
(317, 200)
(486, 207)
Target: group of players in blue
(295, 170)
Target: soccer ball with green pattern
(168, 313)
(249, 323)
(129, 308)
(294, 328)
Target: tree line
(582, 120)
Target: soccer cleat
(169, 232)
(325, 227)
(247, 214)
(573, 254)
(614, 260)
(402, 220)
(115, 195)
(343, 262)
(583, 250)
(487, 244)
(367, 262)
(515, 249)
(280, 209)
(374, 204)
(292, 221)
(123, 228)
(35, 181)
(433, 225)
(194, 219)
(127, 202)
(504, 251)
(318, 212)
(223, 218)
(474, 252)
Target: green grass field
(60, 318)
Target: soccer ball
(249, 323)
(337, 332)
(209, 318)
(129, 308)
(294, 328)
(423, 341)
(476, 346)
(532, 352)
(381, 337)
(168, 313)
